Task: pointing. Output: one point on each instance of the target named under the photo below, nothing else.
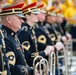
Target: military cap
(51, 12)
(41, 8)
(32, 8)
(58, 12)
(12, 9)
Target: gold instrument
(45, 69)
(35, 65)
(41, 66)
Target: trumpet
(52, 61)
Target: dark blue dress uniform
(63, 25)
(59, 28)
(29, 43)
(57, 31)
(42, 37)
(51, 32)
(54, 32)
(14, 53)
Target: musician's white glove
(59, 46)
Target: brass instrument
(52, 61)
(35, 65)
(68, 48)
(45, 69)
(62, 57)
(35, 68)
(52, 56)
(41, 66)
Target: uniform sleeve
(15, 68)
(41, 40)
(25, 40)
(42, 53)
(30, 71)
(10, 54)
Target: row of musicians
(37, 36)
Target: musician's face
(41, 17)
(59, 19)
(51, 19)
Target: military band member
(60, 20)
(57, 29)
(41, 34)
(50, 19)
(43, 39)
(60, 11)
(51, 33)
(27, 35)
(11, 22)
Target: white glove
(69, 36)
(48, 50)
(59, 46)
(64, 39)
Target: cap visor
(35, 12)
(43, 11)
(60, 15)
(52, 14)
(20, 15)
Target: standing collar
(9, 31)
(39, 23)
(27, 25)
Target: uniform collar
(9, 31)
(42, 23)
(27, 25)
(39, 23)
